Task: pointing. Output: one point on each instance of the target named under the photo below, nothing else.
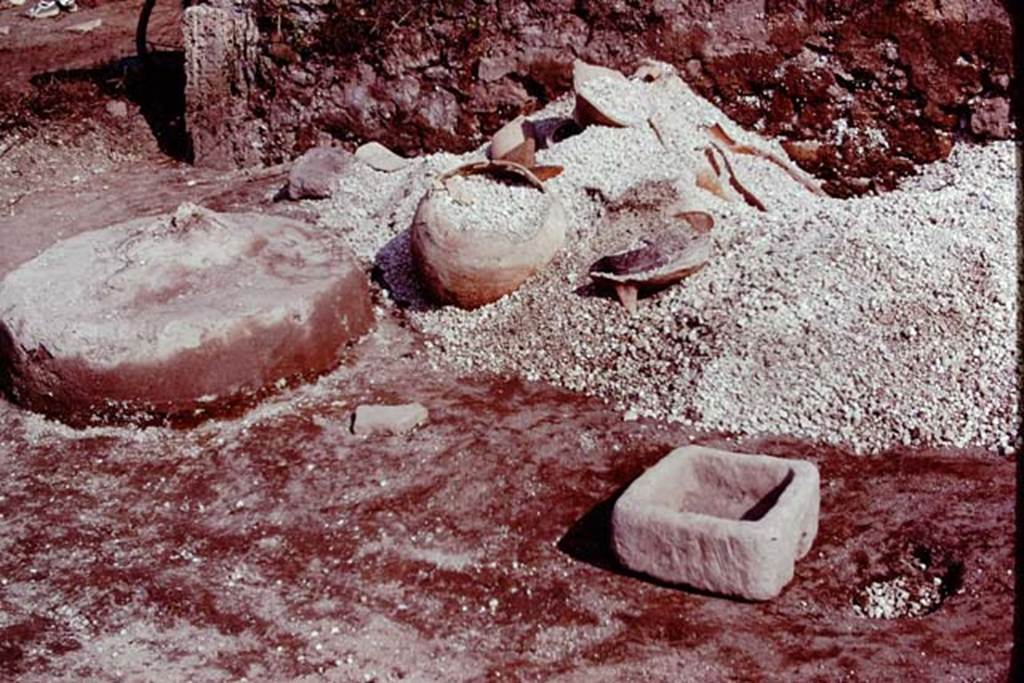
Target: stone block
(723, 522)
(395, 419)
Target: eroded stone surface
(223, 72)
(174, 315)
(725, 522)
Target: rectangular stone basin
(728, 523)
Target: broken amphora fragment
(605, 97)
(659, 259)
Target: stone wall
(862, 90)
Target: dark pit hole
(952, 580)
(918, 588)
(923, 555)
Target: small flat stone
(380, 158)
(85, 26)
(493, 68)
(388, 419)
(117, 109)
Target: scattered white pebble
(853, 322)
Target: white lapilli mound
(871, 323)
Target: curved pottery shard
(598, 87)
(473, 265)
(514, 142)
(660, 259)
(517, 142)
(718, 177)
(380, 158)
(546, 172)
(718, 133)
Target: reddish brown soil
(277, 545)
(35, 47)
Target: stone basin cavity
(724, 522)
(730, 490)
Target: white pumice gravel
(896, 598)
(870, 323)
(485, 205)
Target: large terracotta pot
(470, 266)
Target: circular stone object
(176, 316)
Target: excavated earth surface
(275, 545)
(279, 546)
(860, 95)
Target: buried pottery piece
(482, 230)
(717, 175)
(517, 142)
(605, 97)
(176, 316)
(724, 522)
(718, 134)
(661, 258)
(514, 142)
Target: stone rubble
(896, 598)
